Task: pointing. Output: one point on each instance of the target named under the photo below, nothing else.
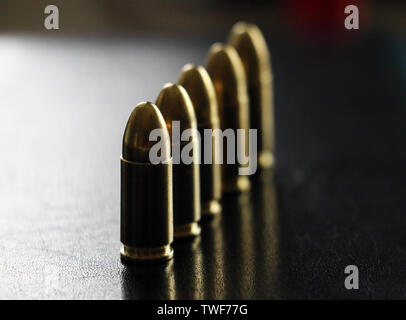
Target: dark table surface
(337, 196)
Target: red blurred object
(321, 19)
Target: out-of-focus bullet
(251, 46)
(146, 189)
(175, 105)
(227, 73)
(200, 89)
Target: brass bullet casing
(146, 189)
(251, 46)
(200, 89)
(227, 73)
(175, 105)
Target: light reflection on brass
(237, 251)
(199, 86)
(146, 209)
(175, 105)
(251, 46)
(147, 254)
(227, 73)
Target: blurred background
(340, 107)
(200, 17)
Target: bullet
(251, 46)
(227, 73)
(200, 89)
(177, 110)
(146, 189)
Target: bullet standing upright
(227, 73)
(146, 189)
(177, 110)
(200, 89)
(251, 46)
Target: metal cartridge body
(251, 46)
(146, 190)
(175, 106)
(227, 73)
(200, 89)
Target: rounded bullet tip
(136, 141)
(244, 27)
(227, 73)
(250, 43)
(175, 105)
(221, 49)
(200, 89)
(188, 67)
(223, 58)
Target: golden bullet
(251, 46)
(227, 73)
(146, 189)
(200, 89)
(177, 110)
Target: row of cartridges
(166, 200)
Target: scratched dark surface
(337, 196)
